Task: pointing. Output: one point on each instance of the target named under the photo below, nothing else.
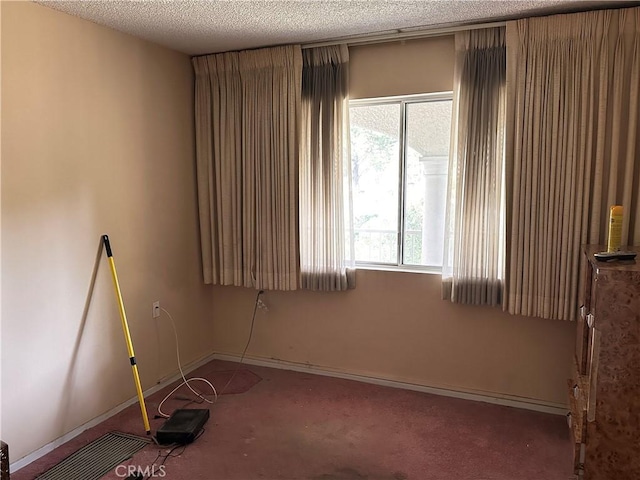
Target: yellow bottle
(615, 228)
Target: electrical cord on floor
(164, 457)
(185, 381)
(253, 320)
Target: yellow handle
(127, 337)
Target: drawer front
(4, 461)
(578, 460)
(580, 386)
(576, 418)
(582, 340)
(593, 369)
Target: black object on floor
(182, 427)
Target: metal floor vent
(96, 459)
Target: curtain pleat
(572, 143)
(474, 240)
(247, 108)
(325, 172)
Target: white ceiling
(198, 27)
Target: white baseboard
(487, 397)
(165, 381)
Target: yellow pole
(127, 335)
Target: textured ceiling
(198, 27)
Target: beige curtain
(325, 172)
(573, 140)
(474, 238)
(247, 108)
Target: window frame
(403, 101)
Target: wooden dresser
(4, 461)
(604, 390)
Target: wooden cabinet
(604, 390)
(4, 461)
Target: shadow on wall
(71, 372)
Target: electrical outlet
(155, 312)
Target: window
(399, 157)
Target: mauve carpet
(281, 424)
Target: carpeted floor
(276, 424)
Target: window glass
(399, 159)
(375, 150)
(427, 157)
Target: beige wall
(97, 137)
(394, 325)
